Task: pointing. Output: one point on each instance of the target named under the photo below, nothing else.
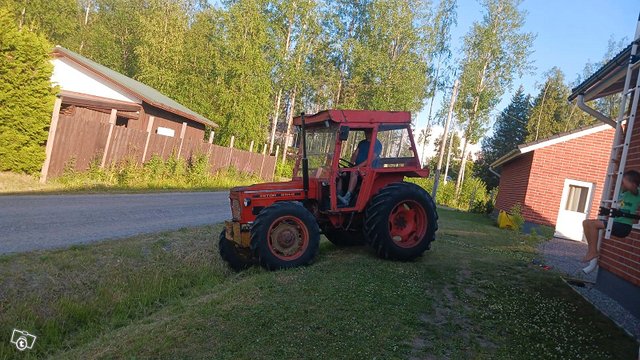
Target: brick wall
(622, 256)
(583, 159)
(514, 177)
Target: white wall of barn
(71, 77)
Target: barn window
(122, 121)
(166, 131)
(577, 198)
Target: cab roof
(356, 116)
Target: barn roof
(133, 87)
(552, 140)
(607, 80)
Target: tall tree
(509, 130)
(26, 96)
(551, 114)
(495, 49)
(57, 20)
(439, 50)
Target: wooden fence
(79, 142)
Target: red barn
(619, 261)
(557, 181)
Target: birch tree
(495, 50)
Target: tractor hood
(291, 188)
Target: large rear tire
(238, 258)
(401, 221)
(345, 238)
(285, 235)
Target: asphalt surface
(54, 221)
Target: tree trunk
(544, 95)
(446, 169)
(463, 164)
(292, 103)
(274, 120)
(443, 143)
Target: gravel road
(45, 222)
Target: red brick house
(619, 261)
(558, 180)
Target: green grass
(474, 295)
(87, 183)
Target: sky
(570, 33)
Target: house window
(577, 198)
(166, 131)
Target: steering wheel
(346, 163)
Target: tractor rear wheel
(238, 258)
(401, 221)
(285, 235)
(345, 238)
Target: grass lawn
(474, 295)
(21, 184)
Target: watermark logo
(22, 339)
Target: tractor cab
(347, 183)
(335, 139)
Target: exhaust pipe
(305, 161)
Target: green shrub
(26, 96)
(516, 216)
(174, 173)
(285, 169)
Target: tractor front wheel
(401, 221)
(285, 235)
(238, 258)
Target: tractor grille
(235, 209)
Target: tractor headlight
(247, 202)
(235, 209)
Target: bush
(516, 216)
(26, 97)
(174, 173)
(473, 195)
(285, 169)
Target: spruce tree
(26, 96)
(509, 130)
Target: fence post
(52, 137)
(251, 146)
(233, 139)
(264, 155)
(182, 131)
(146, 143)
(112, 124)
(211, 134)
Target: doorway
(574, 208)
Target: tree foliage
(495, 50)
(26, 96)
(551, 113)
(509, 130)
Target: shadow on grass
(167, 295)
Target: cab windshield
(321, 143)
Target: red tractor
(278, 225)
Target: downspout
(494, 172)
(593, 112)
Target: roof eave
(506, 158)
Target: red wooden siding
(82, 135)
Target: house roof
(552, 140)
(133, 87)
(607, 80)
